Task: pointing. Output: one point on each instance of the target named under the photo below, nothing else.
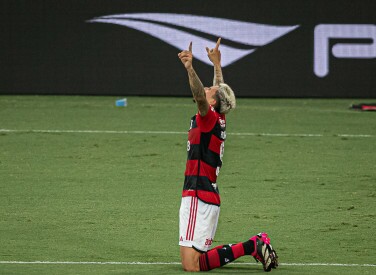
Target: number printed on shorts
(209, 241)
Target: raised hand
(215, 54)
(186, 57)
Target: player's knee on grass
(190, 259)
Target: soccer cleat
(264, 251)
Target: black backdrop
(48, 47)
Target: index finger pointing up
(190, 47)
(218, 42)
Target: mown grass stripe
(174, 263)
(179, 133)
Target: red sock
(221, 255)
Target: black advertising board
(291, 48)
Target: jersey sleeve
(206, 123)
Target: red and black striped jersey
(205, 149)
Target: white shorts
(197, 223)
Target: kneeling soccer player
(200, 205)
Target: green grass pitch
(84, 181)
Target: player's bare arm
(215, 57)
(195, 83)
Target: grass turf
(302, 170)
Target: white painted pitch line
(179, 133)
(175, 263)
(91, 131)
(275, 135)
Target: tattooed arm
(215, 57)
(195, 83)
(198, 92)
(218, 77)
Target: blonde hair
(227, 100)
